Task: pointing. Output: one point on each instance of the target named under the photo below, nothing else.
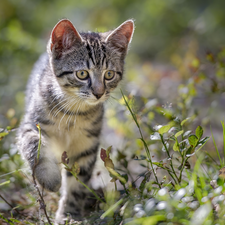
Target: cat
(65, 95)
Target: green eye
(82, 74)
(109, 74)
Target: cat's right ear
(64, 35)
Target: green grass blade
(4, 183)
(39, 143)
(6, 220)
(111, 209)
(217, 151)
(222, 122)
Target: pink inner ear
(127, 30)
(62, 28)
(121, 36)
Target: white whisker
(71, 103)
(71, 114)
(62, 107)
(57, 105)
(77, 112)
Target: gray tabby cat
(65, 94)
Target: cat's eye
(82, 74)
(109, 74)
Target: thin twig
(9, 204)
(41, 199)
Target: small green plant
(178, 188)
(183, 142)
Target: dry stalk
(41, 199)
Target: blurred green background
(169, 35)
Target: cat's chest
(74, 138)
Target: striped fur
(70, 110)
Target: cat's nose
(98, 89)
(98, 95)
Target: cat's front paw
(48, 175)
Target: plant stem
(168, 170)
(68, 169)
(171, 163)
(39, 143)
(125, 189)
(112, 208)
(181, 171)
(41, 200)
(89, 189)
(9, 204)
(115, 186)
(142, 138)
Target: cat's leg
(46, 169)
(60, 216)
(74, 198)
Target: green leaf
(199, 132)
(193, 140)
(184, 121)
(179, 133)
(9, 128)
(142, 185)
(157, 163)
(166, 128)
(151, 220)
(3, 134)
(108, 150)
(176, 146)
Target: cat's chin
(93, 102)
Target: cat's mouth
(96, 100)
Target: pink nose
(97, 95)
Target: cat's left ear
(121, 36)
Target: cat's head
(89, 65)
